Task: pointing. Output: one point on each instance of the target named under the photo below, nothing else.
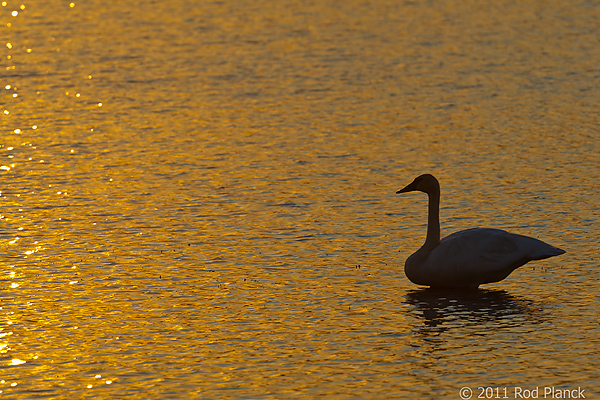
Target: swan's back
(475, 256)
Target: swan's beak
(410, 188)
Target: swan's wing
(484, 255)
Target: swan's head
(424, 183)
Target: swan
(468, 258)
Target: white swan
(469, 258)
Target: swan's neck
(433, 221)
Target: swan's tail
(547, 252)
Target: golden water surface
(197, 197)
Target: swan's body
(469, 258)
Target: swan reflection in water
(445, 309)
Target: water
(198, 199)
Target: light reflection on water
(224, 225)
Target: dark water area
(197, 198)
